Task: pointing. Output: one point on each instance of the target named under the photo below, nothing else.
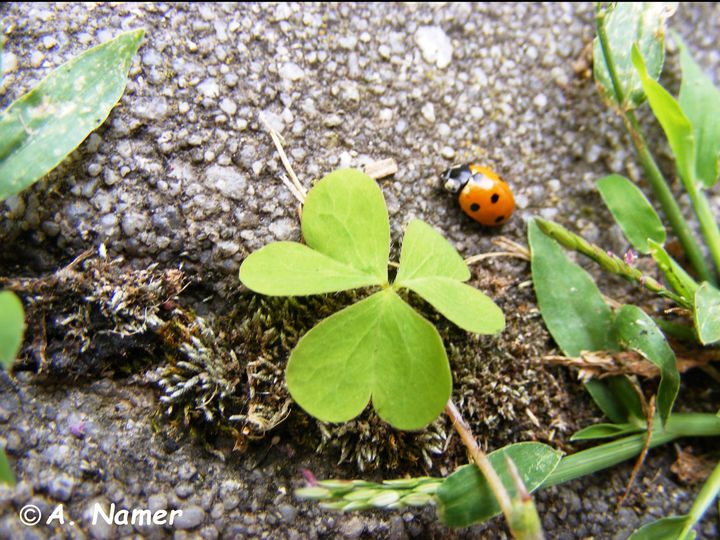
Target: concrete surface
(183, 174)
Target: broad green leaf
(627, 23)
(605, 431)
(378, 349)
(571, 304)
(293, 269)
(637, 331)
(425, 253)
(675, 124)
(676, 276)
(700, 101)
(707, 313)
(669, 528)
(632, 211)
(465, 497)
(42, 127)
(12, 326)
(6, 473)
(462, 304)
(345, 218)
(618, 399)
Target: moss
(225, 373)
(94, 316)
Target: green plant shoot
(579, 320)
(707, 314)
(636, 331)
(571, 304)
(465, 497)
(620, 402)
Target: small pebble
(49, 42)
(191, 517)
(447, 152)
(540, 101)
(209, 88)
(428, 112)
(9, 62)
(291, 71)
(61, 487)
(352, 528)
(347, 42)
(36, 59)
(435, 45)
(228, 106)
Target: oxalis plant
(622, 342)
(381, 350)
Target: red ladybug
(482, 194)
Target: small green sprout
(379, 349)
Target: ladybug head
(455, 178)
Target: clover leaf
(345, 222)
(380, 349)
(430, 267)
(345, 218)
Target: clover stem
(480, 459)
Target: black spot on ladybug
(495, 198)
(474, 207)
(499, 219)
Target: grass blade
(41, 128)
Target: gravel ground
(184, 175)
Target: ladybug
(482, 194)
